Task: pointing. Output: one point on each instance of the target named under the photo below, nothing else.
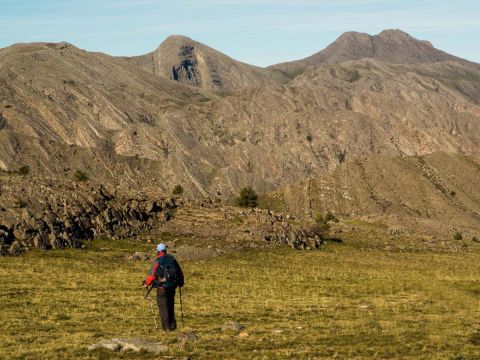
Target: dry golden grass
(341, 302)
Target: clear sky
(260, 32)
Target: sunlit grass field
(341, 302)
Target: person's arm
(152, 274)
(181, 279)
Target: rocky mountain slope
(435, 194)
(189, 62)
(389, 46)
(63, 109)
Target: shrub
(21, 203)
(169, 214)
(457, 236)
(453, 193)
(24, 170)
(321, 226)
(247, 198)
(474, 238)
(80, 175)
(177, 190)
(309, 138)
(330, 217)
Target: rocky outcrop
(297, 237)
(47, 215)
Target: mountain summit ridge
(390, 46)
(190, 62)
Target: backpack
(167, 272)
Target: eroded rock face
(47, 215)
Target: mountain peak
(394, 33)
(176, 39)
(184, 60)
(389, 46)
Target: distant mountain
(63, 109)
(189, 62)
(389, 46)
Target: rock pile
(51, 216)
(297, 237)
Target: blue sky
(261, 32)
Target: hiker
(165, 275)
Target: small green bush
(309, 138)
(457, 236)
(177, 190)
(24, 170)
(21, 203)
(80, 175)
(453, 193)
(330, 217)
(247, 198)
(475, 239)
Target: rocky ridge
(45, 214)
(48, 214)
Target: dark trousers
(166, 308)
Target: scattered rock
(232, 325)
(184, 339)
(187, 337)
(138, 256)
(130, 344)
(243, 334)
(107, 344)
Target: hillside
(433, 195)
(65, 110)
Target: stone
(186, 337)
(243, 334)
(232, 325)
(139, 345)
(107, 344)
(119, 344)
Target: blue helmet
(161, 247)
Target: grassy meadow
(341, 302)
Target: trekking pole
(147, 297)
(181, 304)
